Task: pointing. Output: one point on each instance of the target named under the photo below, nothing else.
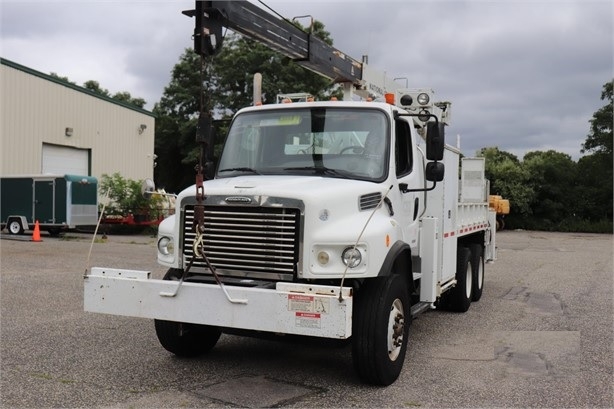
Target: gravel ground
(541, 336)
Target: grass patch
(44, 376)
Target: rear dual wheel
(469, 279)
(459, 298)
(477, 267)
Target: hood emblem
(238, 199)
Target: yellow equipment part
(498, 204)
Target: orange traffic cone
(36, 236)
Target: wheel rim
(468, 280)
(396, 329)
(14, 227)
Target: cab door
(412, 203)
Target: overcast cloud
(521, 75)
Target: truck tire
(477, 267)
(380, 331)
(184, 339)
(14, 226)
(460, 296)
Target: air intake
(370, 201)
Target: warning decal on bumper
(308, 320)
(300, 302)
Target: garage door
(60, 160)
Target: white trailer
(337, 219)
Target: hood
(298, 187)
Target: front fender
(398, 261)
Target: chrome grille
(370, 201)
(241, 241)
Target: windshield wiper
(255, 172)
(322, 170)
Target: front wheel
(184, 339)
(380, 329)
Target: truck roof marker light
(389, 98)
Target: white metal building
(49, 126)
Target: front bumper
(290, 308)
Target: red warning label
(308, 319)
(300, 302)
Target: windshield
(331, 142)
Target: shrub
(125, 197)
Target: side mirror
(148, 187)
(435, 140)
(434, 171)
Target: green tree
(594, 193)
(241, 58)
(65, 79)
(553, 179)
(509, 179)
(177, 115)
(599, 139)
(94, 86)
(123, 96)
(595, 169)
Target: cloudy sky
(521, 75)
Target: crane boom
(280, 35)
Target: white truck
(324, 219)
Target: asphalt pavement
(541, 336)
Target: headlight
(423, 98)
(351, 257)
(165, 245)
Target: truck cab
(313, 174)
